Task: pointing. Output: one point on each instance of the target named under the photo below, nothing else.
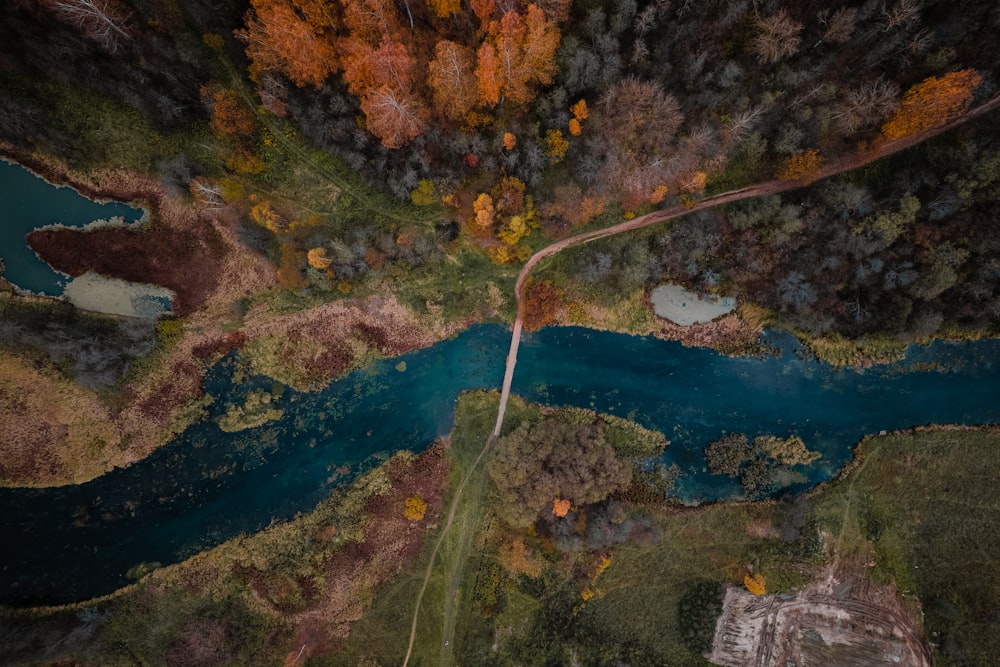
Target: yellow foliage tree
(414, 508)
(802, 166)
(932, 103)
(267, 217)
(243, 161)
(318, 258)
(424, 194)
(557, 144)
(513, 231)
(755, 584)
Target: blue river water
(27, 202)
(76, 542)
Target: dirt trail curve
(839, 166)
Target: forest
(512, 123)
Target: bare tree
(866, 105)
(902, 15)
(777, 39)
(840, 26)
(739, 123)
(208, 194)
(103, 21)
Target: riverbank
(197, 254)
(293, 589)
(330, 581)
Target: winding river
(73, 543)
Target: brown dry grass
(55, 432)
(309, 348)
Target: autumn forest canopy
(496, 126)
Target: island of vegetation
(330, 184)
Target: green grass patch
(926, 501)
(381, 637)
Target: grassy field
(446, 609)
(491, 617)
(926, 501)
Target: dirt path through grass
(456, 574)
(293, 148)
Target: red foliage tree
(542, 300)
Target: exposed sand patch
(685, 308)
(95, 292)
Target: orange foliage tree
(932, 103)
(560, 507)
(485, 212)
(802, 166)
(293, 37)
(371, 20)
(509, 140)
(445, 8)
(508, 195)
(230, 117)
(383, 78)
(450, 76)
(290, 267)
(517, 55)
(542, 300)
(487, 75)
(515, 558)
(483, 9)
(396, 117)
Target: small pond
(28, 202)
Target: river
(76, 542)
